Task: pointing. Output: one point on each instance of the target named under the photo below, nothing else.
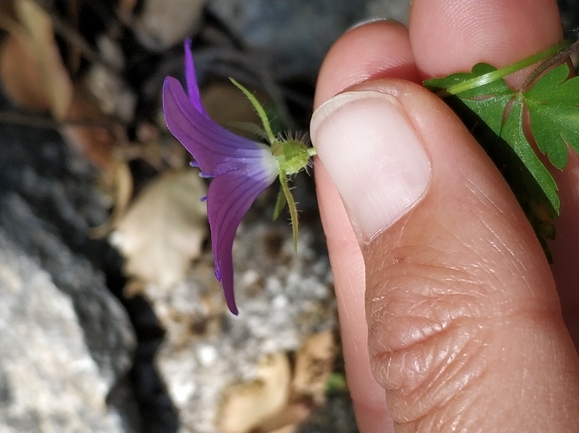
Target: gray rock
(49, 380)
(283, 298)
(164, 23)
(294, 36)
(569, 17)
(65, 341)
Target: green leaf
(513, 134)
(336, 382)
(491, 102)
(554, 116)
(493, 112)
(488, 101)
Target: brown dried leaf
(287, 420)
(245, 406)
(90, 130)
(126, 6)
(313, 367)
(54, 79)
(20, 75)
(119, 180)
(164, 229)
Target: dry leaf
(90, 130)
(313, 367)
(164, 229)
(119, 180)
(126, 6)
(287, 420)
(245, 406)
(20, 75)
(38, 33)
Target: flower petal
(215, 149)
(191, 78)
(229, 197)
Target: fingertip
(377, 49)
(452, 36)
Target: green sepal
(279, 204)
(259, 110)
(251, 128)
(291, 206)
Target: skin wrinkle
(456, 409)
(443, 360)
(517, 252)
(513, 258)
(396, 271)
(455, 363)
(429, 317)
(427, 269)
(439, 413)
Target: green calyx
(292, 154)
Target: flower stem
(560, 56)
(291, 206)
(508, 70)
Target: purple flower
(241, 168)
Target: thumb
(464, 325)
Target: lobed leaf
(513, 134)
(554, 116)
(494, 113)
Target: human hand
(446, 300)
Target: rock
(569, 17)
(49, 379)
(393, 9)
(292, 38)
(65, 341)
(164, 23)
(283, 298)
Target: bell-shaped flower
(241, 169)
